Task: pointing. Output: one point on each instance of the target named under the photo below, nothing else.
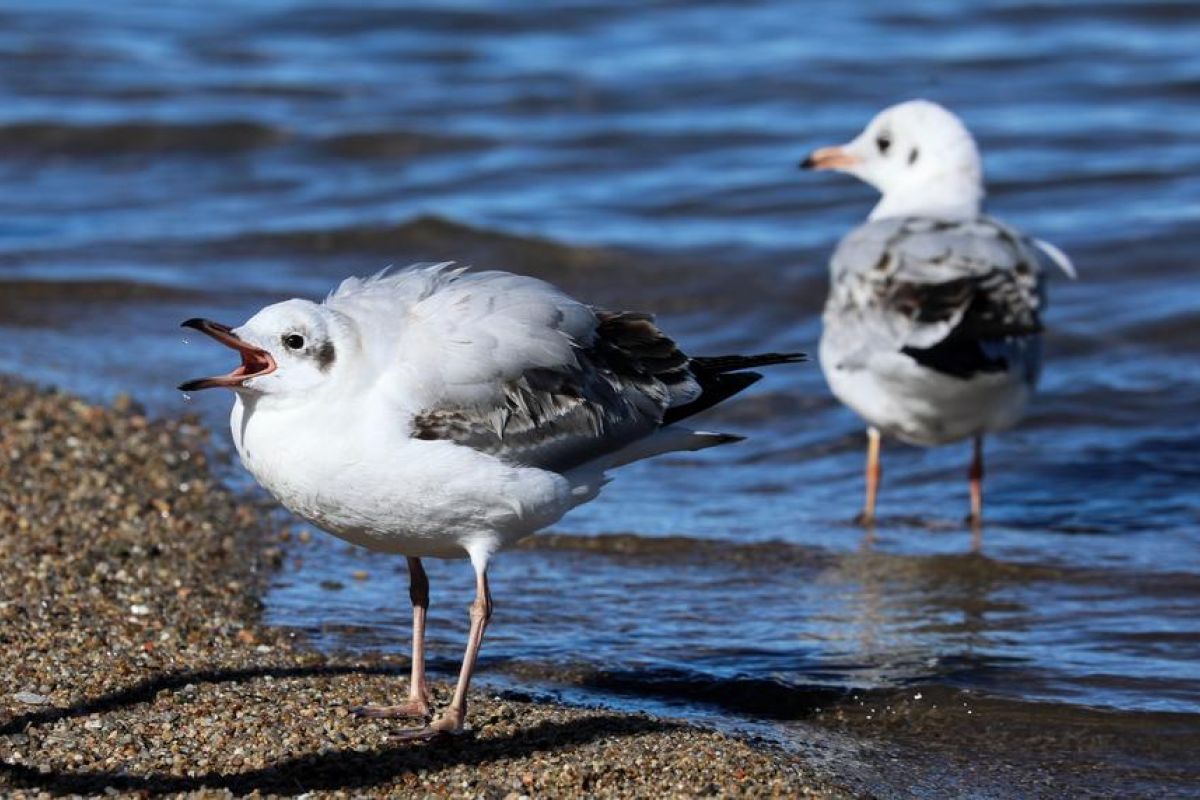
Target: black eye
(293, 341)
(883, 143)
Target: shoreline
(138, 660)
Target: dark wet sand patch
(135, 660)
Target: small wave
(969, 568)
(782, 699)
(1083, 180)
(431, 238)
(53, 138)
(52, 303)
(17, 293)
(1173, 331)
(768, 698)
(397, 144)
(334, 22)
(674, 547)
(1145, 13)
(607, 276)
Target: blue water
(162, 162)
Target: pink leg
(874, 473)
(417, 706)
(454, 718)
(975, 475)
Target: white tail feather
(1058, 257)
(588, 479)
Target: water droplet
(186, 340)
(187, 398)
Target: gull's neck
(943, 197)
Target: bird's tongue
(255, 360)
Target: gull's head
(920, 157)
(287, 348)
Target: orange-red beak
(255, 360)
(829, 158)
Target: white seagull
(436, 412)
(932, 328)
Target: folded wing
(614, 391)
(947, 293)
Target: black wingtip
(728, 438)
(194, 322)
(723, 364)
(808, 163)
(715, 388)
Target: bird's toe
(413, 709)
(442, 728)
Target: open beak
(829, 158)
(255, 360)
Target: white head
(920, 157)
(289, 349)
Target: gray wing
(944, 292)
(617, 391)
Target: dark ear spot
(326, 356)
(912, 156)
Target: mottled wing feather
(618, 390)
(630, 346)
(927, 285)
(992, 305)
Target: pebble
(31, 698)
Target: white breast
(367, 481)
(920, 406)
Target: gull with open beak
(435, 412)
(256, 361)
(932, 327)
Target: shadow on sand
(338, 769)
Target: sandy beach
(135, 660)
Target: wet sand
(135, 659)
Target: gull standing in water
(932, 328)
(435, 412)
